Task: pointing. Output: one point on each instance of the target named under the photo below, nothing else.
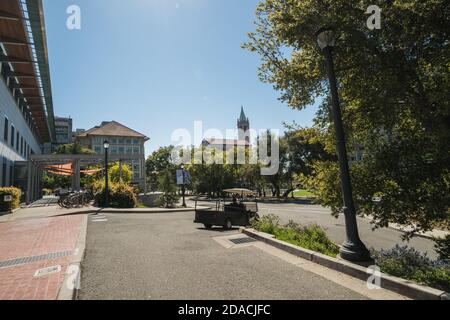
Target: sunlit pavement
(27, 246)
(167, 256)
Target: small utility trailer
(240, 211)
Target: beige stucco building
(123, 141)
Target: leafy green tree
(53, 181)
(394, 89)
(159, 161)
(166, 184)
(120, 173)
(73, 148)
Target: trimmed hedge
(121, 195)
(16, 194)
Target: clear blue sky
(159, 65)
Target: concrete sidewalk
(54, 211)
(35, 254)
(45, 212)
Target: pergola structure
(34, 167)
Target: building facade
(26, 110)
(123, 141)
(63, 130)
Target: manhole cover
(46, 271)
(242, 240)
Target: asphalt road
(385, 238)
(167, 256)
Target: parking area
(167, 256)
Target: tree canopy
(73, 148)
(394, 90)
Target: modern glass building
(26, 107)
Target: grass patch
(312, 237)
(402, 262)
(303, 194)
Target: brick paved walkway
(32, 238)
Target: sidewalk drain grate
(26, 260)
(242, 240)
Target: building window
(121, 150)
(129, 150)
(21, 146)
(135, 141)
(98, 150)
(11, 170)
(17, 141)
(136, 150)
(6, 130)
(4, 173)
(114, 140)
(120, 140)
(13, 132)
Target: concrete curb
(144, 211)
(3, 213)
(398, 285)
(71, 283)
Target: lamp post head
(182, 167)
(326, 37)
(106, 144)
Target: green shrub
(115, 174)
(312, 237)
(47, 192)
(16, 194)
(268, 224)
(408, 263)
(167, 186)
(443, 247)
(121, 195)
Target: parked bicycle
(75, 199)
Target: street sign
(182, 178)
(7, 198)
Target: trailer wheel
(228, 224)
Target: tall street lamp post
(352, 249)
(106, 146)
(183, 190)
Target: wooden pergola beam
(11, 41)
(20, 75)
(8, 16)
(24, 86)
(11, 59)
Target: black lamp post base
(355, 252)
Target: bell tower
(243, 125)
